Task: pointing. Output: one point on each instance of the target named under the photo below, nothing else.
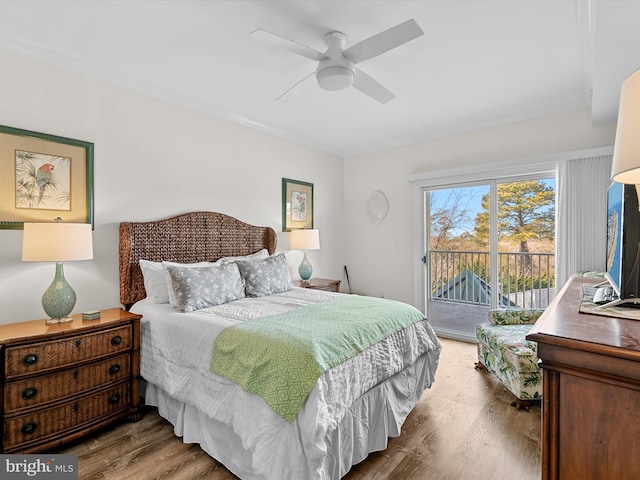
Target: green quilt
(280, 357)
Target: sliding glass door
(488, 245)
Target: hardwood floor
(462, 428)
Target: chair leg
(525, 405)
(480, 366)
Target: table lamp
(57, 242)
(626, 150)
(305, 240)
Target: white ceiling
(480, 62)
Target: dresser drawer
(58, 353)
(57, 420)
(48, 388)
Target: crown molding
(532, 164)
(125, 79)
(575, 103)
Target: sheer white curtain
(581, 216)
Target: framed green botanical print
(297, 205)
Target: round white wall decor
(377, 206)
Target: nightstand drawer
(22, 430)
(48, 355)
(325, 284)
(328, 288)
(49, 388)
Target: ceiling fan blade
(295, 85)
(383, 41)
(371, 87)
(281, 42)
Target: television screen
(623, 249)
(615, 202)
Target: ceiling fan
(336, 68)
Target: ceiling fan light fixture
(335, 78)
(336, 66)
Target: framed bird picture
(297, 205)
(49, 177)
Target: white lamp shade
(626, 152)
(56, 242)
(304, 240)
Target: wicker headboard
(188, 238)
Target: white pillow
(259, 255)
(155, 282)
(156, 279)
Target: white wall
(153, 160)
(380, 257)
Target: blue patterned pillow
(172, 295)
(266, 277)
(201, 287)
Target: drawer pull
(76, 374)
(78, 342)
(114, 369)
(30, 359)
(76, 407)
(28, 428)
(115, 398)
(117, 340)
(29, 393)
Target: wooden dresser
(591, 391)
(60, 382)
(319, 284)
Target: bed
(352, 408)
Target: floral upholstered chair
(504, 351)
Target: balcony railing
(525, 280)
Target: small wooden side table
(319, 284)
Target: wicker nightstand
(319, 284)
(62, 381)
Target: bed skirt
(367, 426)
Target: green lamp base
(305, 269)
(59, 299)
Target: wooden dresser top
(32, 329)
(563, 325)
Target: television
(623, 245)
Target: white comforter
(175, 355)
